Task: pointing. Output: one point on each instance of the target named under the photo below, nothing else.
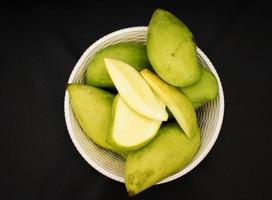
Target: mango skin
(92, 108)
(131, 53)
(165, 155)
(178, 104)
(204, 90)
(171, 49)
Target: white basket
(210, 116)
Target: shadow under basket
(210, 115)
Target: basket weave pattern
(210, 116)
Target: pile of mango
(140, 101)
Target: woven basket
(210, 116)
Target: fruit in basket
(165, 155)
(175, 100)
(92, 108)
(132, 123)
(134, 90)
(171, 49)
(132, 53)
(130, 130)
(204, 90)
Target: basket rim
(76, 143)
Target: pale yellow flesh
(130, 129)
(175, 100)
(134, 90)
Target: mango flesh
(132, 53)
(92, 108)
(171, 49)
(204, 90)
(134, 90)
(122, 136)
(178, 104)
(165, 155)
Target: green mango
(178, 104)
(131, 53)
(93, 109)
(134, 90)
(204, 90)
(171, 49)
(125, 138)
(165, 155)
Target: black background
(41, 42)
